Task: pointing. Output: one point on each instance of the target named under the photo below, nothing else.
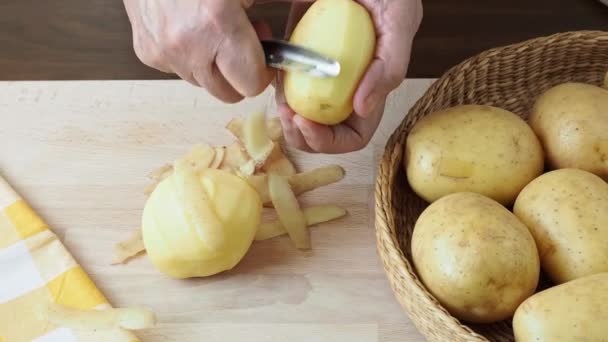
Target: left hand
(396, 23)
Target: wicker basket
(509, 77)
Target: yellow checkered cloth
(36, 268)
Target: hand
(396, 23)
(209, 43)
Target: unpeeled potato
(477, 259)
(573, 311)
(474, 148)
(571, 120)
(567, 212)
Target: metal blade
(285, 56)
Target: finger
(214, 82)
(291, 132)
(329, 139)
(352, 135)
(241, 60)
(143, 44)
(396, 27)
(262, 29)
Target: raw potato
(288, 209)
(472, 148)
(573, 311)
(567, 212)
(342, 30)
(571, 121)
(313, 215)
(477, 259)
(107, 319)
(202, 226)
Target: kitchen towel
(35, 269)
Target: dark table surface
(76, 39)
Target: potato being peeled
(571, 121)
(573, 311)
(198, 224)
(567, 213)
(342, 30)
(477, 259)
(472, 148)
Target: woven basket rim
(393, 258)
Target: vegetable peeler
(286, 56)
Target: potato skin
(571, 120)
(567, 213)
(472, 148)
(573, 311)
(475, 257)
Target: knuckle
(175, 39)
(150, 57)
(215, 20)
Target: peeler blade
(286, 56)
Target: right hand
(209, 43)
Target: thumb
(396, 27)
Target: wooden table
(79, 153)
(74, 39)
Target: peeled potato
(199, 224)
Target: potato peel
(218, 158)
(288, 210)
(273, 128)
(107, 319)
(158, 176)
(200, 156)
(313, 216)
(307, 181)
(234, 157)
(278, 163)
(161, 173)
(300, 182)
(255, 138)
(125, 250)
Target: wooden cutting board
(79, 152)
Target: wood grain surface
(80, 151)
(73, 39)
